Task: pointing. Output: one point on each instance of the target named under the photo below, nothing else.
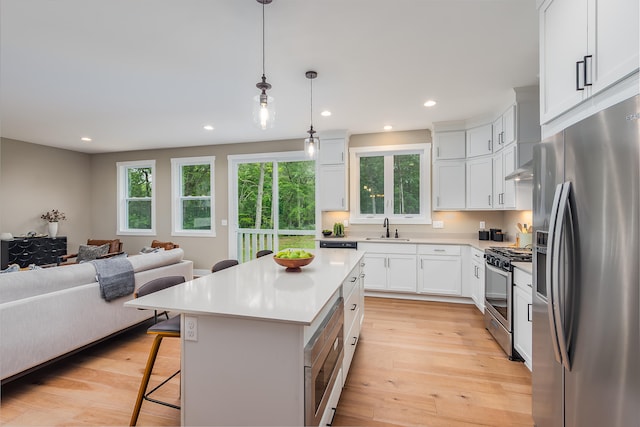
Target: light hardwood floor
(417, 364)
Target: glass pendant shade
(311, 146)
(263, 111)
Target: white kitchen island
(244, 331)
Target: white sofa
(47, 313)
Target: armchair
(165, 245)
(94, 249)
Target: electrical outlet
(482, 225)
(223, 222)
(438, 224)
(346, 222)
(191, 328)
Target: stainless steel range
(498, 294)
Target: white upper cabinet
(480, 183)
(332, 151)
(509, 126)
(479, 141)
(332, 175)
(504, 129)
(613, 41)
(449, 185)
(585, 47)
(333, 195)
(449, 145)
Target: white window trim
(176, 212)
(122, 168)
(425, 184)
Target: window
(391, 181)
(193, 205)
(271, 203)
(136, 197)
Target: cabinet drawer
(522, 279)
(388, 248)
(332, 403)
(350, 343)
(477, 254)
(351, 309)
(439, 250)
(349, 285)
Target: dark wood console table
(32, 250)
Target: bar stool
(263, 253)
(225, 263)
(164, 329)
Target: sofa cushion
(90, 252)
(144, 262)
(30, 283)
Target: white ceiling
(137, 74)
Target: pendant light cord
(262, 39)
(311, 116)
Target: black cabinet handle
(578, 75)
(353, 279)
(355, 340)
(330, 423)
(586, 65)
(353, 307)
(529, 312)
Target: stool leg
(145, 378)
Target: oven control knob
(505, 265)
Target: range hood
(523, 173)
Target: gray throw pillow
(89, 252)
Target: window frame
(123, 198)
(177, 197)
(233, 161)
(388, 151)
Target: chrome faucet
(386, 224)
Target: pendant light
(312, 143)
(263, 113)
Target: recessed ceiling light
(325, 113)
(207, 127)
(388, 127)
(85, 139)
(430, 103)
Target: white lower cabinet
(477, 278)
(440, 270)
(522, 310)
(390, 267)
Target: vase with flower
(53, 217)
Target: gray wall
(35, 179)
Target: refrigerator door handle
(562, 298)
(550, 273)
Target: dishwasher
(339, 244)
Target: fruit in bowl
(326, 233)
(293, 259)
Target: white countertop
(260, 289)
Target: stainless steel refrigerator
(586, 326)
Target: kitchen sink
(387, 239)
